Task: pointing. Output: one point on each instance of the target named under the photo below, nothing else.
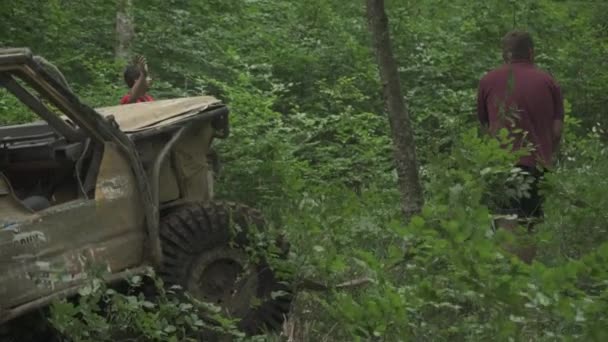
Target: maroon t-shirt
(520, 96)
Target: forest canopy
(310, 145)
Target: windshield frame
(19, 65)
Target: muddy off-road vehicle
(127, 187)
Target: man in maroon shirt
(528, 103)
(136, 78)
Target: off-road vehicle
(127, 187)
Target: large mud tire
(205, 251)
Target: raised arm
(141, 84)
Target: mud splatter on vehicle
(123, 187)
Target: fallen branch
(311, 285)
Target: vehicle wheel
(207, 256)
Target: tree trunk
(125, 29)
(404, 149)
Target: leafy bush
(446, 275)
(104, 314)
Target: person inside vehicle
(536, 102)
(137, 79)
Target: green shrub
(101, 313)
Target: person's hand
(142, 64)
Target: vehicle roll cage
(19, 65)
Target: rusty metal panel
(148, 151)
(190, 155)
(169, 188)
(50, 251)
(119, 205)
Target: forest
(311, 147)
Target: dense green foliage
(310, 146)
(146, 311)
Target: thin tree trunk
(125, 29)
(404, 149)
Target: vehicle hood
(146, 115)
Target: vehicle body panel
(137, 158)
(50, 250)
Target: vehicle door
(69, 201)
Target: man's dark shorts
(528, 207)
